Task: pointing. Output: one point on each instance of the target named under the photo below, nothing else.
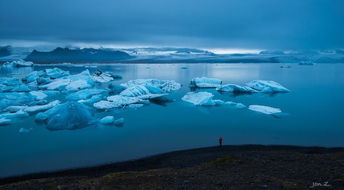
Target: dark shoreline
(174, 160)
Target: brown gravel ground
(229, 167)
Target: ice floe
(234, 88)
(5, 121)
(201, 99)
(235, 104)
(264, 109)
(266, 86)
(116, 101)
(107, 120)
(42, 107)
(205, 82)
(141, 92)
(165, 85)
(24, 130)
(39, 95)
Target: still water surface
(314, 107)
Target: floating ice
(24, 130)
(57, 84)
(21, 63)
(205, 82)
(80, 81)
(264, 109)
(70, 115)
(18, 114)
(102, 77)
(165, 85)
(140, 91)
(39, 95)
(266, 86)
(86, 94)
(92, 100)
(116, 88)
(42, 107)
(4, 121)
(135, 106)
(15, 99)
(235, 104)
(235, 88)
(56, 73)
(201, 99)
(33, 76)
(107, 120)
(119, 122)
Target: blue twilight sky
(252, 24)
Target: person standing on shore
(220, 141)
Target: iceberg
(235, 88)
(102, 77)
(266, 86)
(205, 82)
(21, 63)
(38, 108)
(201, 99)
(39, 95)
(70, 116)
(165, 85)
(80, 81)
(56, 73)
(107, 120)
(92, 100)
(115, 88)
(15, 99)
(119, 122)
(33, 76)
(57, 84)
(24, 130)
(4, 121)
(18, 114)
(116, 101)
(78, 85)
(264, 109)
(86, 94)
(235, 104)
(139, 91)
(13, 109)
(135, 106)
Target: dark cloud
(288, 24)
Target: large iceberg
(70, 115)
(264, 109)
(71, 82)
(266, 86)
(234, 88)
(205, 82)
(165, 85)
(201, 99)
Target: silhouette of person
(220, 141)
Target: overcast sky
(261, 24)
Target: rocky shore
(227, 167)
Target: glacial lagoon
(313, 116)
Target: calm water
(314, 106)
